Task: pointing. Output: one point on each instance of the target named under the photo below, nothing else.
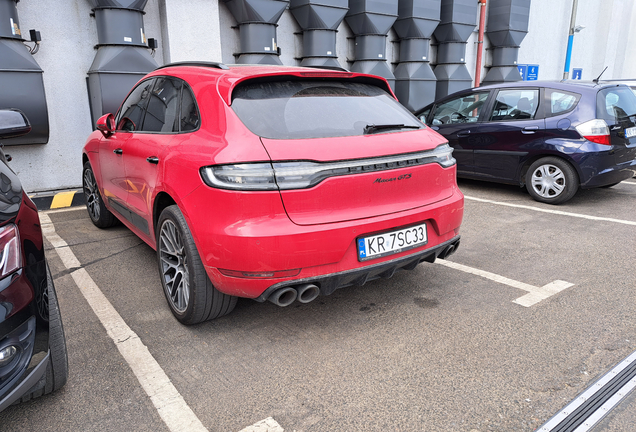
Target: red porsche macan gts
(271, 182)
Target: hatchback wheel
(97, 211)
(190, 294)
(552, 180)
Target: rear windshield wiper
(372, 128)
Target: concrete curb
(62, 199)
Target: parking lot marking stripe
(535, 294)
(170, 405)
(558, 212)
(267, 425)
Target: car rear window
(316, 109)
(616, 105)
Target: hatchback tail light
(9, 250)
(596, 131)
(305, 174)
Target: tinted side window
(163, 106)
(463, 109)
(131, 114)
(515, 104)
(560, 101)
(189, 119)
(616, 105)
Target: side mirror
(106, 125)
(13, 123)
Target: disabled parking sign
(528, 72)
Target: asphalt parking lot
(538, 303)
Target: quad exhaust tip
(307, 293)
(303, 293)
(283, 297)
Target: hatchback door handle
(529, 130)
(118, 151)
(463, 133)
(153, 160)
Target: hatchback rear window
(317, 109)
(616, 105)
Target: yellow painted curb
(63, 199)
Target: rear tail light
(302, 175)
(9, 250)
(596, 131)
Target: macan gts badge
(271, 183)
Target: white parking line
(535, 294)
(267, 425)
(172, 409)
(170, 405)
(558, 212)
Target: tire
(57, 368)
(97, 211)
(194, 299)
(552, 180)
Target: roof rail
(196, 63)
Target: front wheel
(552, 180)
(190, 294)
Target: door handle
(463, 133)
(529, 130)
(153, 160)
(118, 151)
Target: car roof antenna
(599, 77)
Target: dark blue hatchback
(551, 137)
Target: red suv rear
(270, 182)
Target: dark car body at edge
(33, 359)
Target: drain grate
(595, 402)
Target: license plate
(391, 242)
(630, 132)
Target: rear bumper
(272, 243)
(602, 167)
(357, 277)
(611, 175)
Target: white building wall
(67, 50)
(202, 30)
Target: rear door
(513, 128)
(376, 182)
(343, 150)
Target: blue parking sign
(533, 73)
(523, 70)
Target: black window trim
(184, 86)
